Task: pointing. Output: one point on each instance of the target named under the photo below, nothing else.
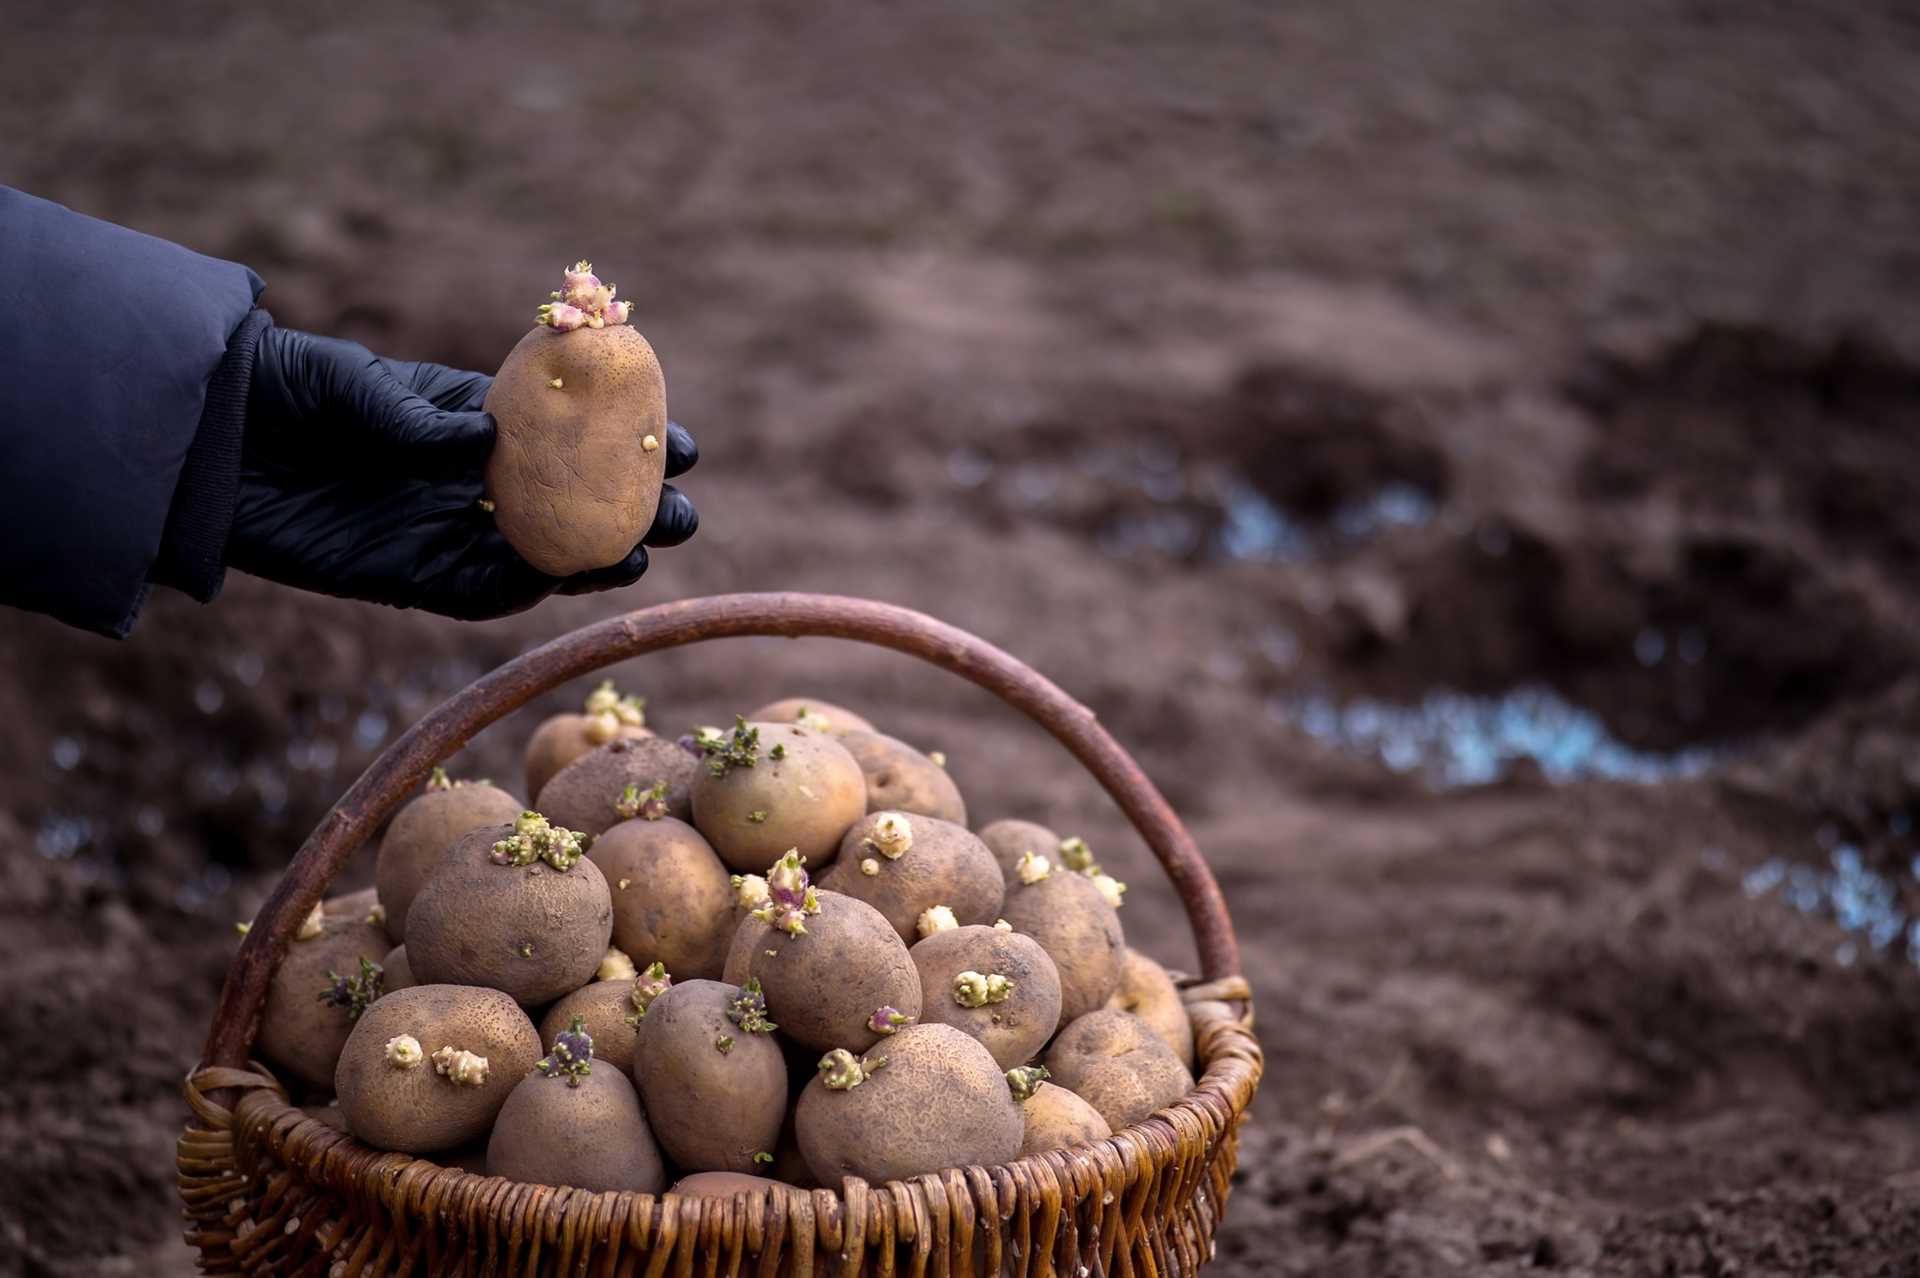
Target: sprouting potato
(609, 1011)
(811, 712)
(1075, 925)
(427, 1068)
(515, 908)
(830, 965)
(325, 982)
(580, 454)
(672, 900)
(422, 831)
(904, 865)
(712, 1075)
(619, 781)
(928, 1097)
(606, 716)
(995, 986)
(575, 1121)
(767, 787)
(1010, 839)
(1056, 1119)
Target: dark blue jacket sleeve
(109, 344)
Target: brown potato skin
(573, 486)
(606, 1006)
(677, 907)
(939, 1101)
(1117, 1064)
(591, 1137)
(1149, 993)
(1056, 1118)
(559, 740)
(721, 1185)
(398, 973)
(420, 834)
(710, 1110)
(947, 865)
(300, 1036)
(823, 986)
(788, 710)
(749, 935)
(1015, 1029)
(360, 904)
(582, 794)
(901, 779)
(469, 924)
(1009, 839)
(420, 1111)
(1079, 931)
(816, 762)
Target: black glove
(361, 477)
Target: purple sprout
(353, 993)
(648, 986)
(749, 1010)
(790, 895)
(646, 805)
(572, 1053)
(887, 1020)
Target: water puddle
(1455, 740)
(1177, 507)
(1846, 890)
(1254, 529)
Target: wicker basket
(270, 1190)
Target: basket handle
(394, 777)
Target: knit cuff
(193, 548)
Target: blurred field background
(1468, 452)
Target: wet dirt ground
(1468, 456)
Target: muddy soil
(1468, 456)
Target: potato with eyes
(622, 780)
(1117, 1064)
(514, 908)
(905, 865)
(829, 965)
(813, 713)
(998, 987)
(575, 1121)
(1071, 918)
(580, 410)
(899, 778)
(768, 787)
(927, 1098)
(330, 974)
(1009, 839)
(672, 901)
(607, 715)
(712, 1076)
(422, 831)
(428, 1068)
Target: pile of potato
(775, 951)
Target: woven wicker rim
(1151, 1178)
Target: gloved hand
(361, 477)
